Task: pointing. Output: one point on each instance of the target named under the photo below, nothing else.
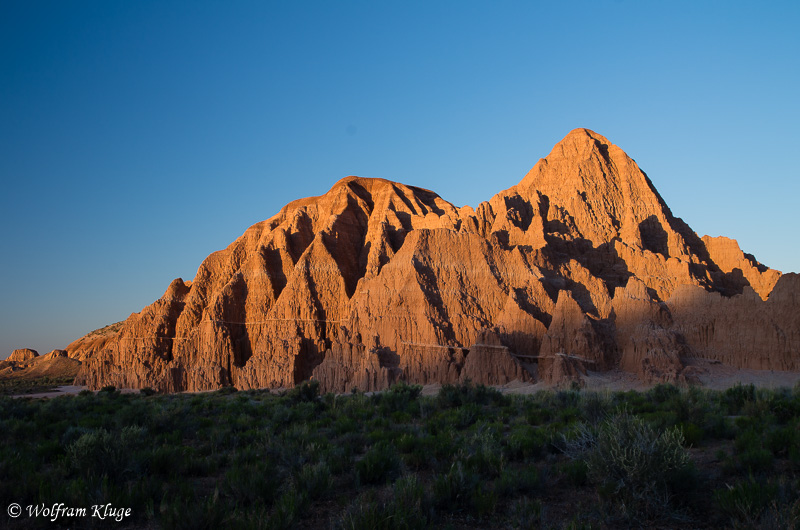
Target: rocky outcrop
(22, 355)
(28, 364)
(93, 342)
(580, 267)
(55, 354)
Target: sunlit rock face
(22, 355)
(581, 266)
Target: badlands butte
(581, 267)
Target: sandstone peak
(581, 266)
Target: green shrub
(287, 509)
(416, 449)
(756, 460)
(576, 472)
(663, 393)
(513, 481)
(525, 442)
(398, 398)
(482, 452)
(307, 391)
(735, 397)
(190, 512)
(630, 462)
(692, 434)
(782, 439)
(594, 408)
(365, 514)
(410, 505)
(536, 415)
(252, 484)
(745, 501)
(315, 480)
(483, 500)
(454, 489)
(452, 396)
(407, 509)
(526, 513)
(380, 464)
(98, 453)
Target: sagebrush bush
(380, 464)
(307, 391)
(630, 462)
(745, 501)
(99, 452)
(315, 479)
(408, 508)
(526, 442)
(452, 396)
(513, 481)
(454, 488)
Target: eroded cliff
(581, 266)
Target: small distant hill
(26, 370)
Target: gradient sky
(138, 137)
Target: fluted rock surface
(581, 266)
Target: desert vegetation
(10, 386)
(469, 456)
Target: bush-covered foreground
(469, 457)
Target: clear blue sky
(138, 137)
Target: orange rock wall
(581, 266)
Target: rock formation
(579, 267)
(93, 342)
(22, 355)
(28, 364)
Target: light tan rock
(22, 355)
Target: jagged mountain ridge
(579, 266)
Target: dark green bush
(99, 452)
(663, 393)
(526, 442)
(307, 391)
(380, 464)
(692, 434)
(315, 480)
(452, 396)
(630, 462)
(745, 501)
(523, 480)
(576, 472)
(454, 488)
(756, 460)
(399, 398)
(735, 397)
(407, 509)
(251, 484)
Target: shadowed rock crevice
(654, 237)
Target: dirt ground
(710, 375)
